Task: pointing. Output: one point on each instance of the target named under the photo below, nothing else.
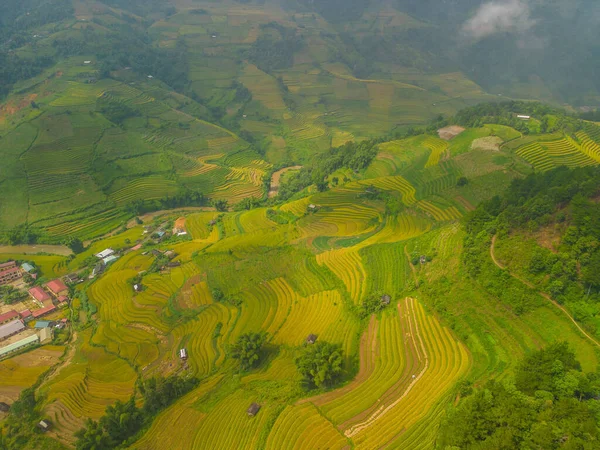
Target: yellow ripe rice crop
(302, 427)
(437, 147)
(348, 267)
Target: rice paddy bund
(308, 274)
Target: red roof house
(43, 311)
(25, 314)
(7, 317)
(39, 294)
(57, 287)
(8, 265)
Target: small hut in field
(253, 409)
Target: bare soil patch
(464, 202)
(276, 179)
(491, 143)
(449, 133)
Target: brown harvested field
(179, 224)
(23, 370)
(491, 143)
(449, 133)
(276, 178)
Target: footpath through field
(543, 294)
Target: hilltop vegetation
(426, 246)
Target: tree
(248, 349)
(321, 364)
(220, 205)
(75, 245)
(462, 181)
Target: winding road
(543, 294)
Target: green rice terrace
(216, 233)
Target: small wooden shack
(423, 259)
(311, 339)
(4, 407)
(44, 425)
(386, 299)
(183, 354)
(253, 409)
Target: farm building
(156, 253)
(137, 287)
(27, 267)
(43, 311)
(423, 259)
(9, 275)
(63, 301)
(4, 407)
(523, 117)
(44, 425)
(311, 339)
(72, 278)
(19, 345)
(10, 329)
(386, 299)
(39, 295)
(43, 324)
(183, 353)
(253, 409)
(7, 317)
(105, 253)
(137, 247)
(109, 259)
(57, 288)
(174, 264)
(8, 265)
(170, 254)
(45, 335)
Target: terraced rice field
(546, 155)
(413, 364)
(437, 147)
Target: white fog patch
(499, 16)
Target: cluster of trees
(186, 198)
(563, 198)
(505, 113)
(123, 420)
(10, 295)
(321, 364)
(552, 404)
(249, 349)
(275, 48)
(353, 155)
(116, 112)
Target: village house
(311, 339)
(8, 316)
(44, 425)
(253, 409)
(43, 311)
(25, 315)
(105, 253)
(26, 267)
(57, 288)
(386, 299)
(15, 346)
(72, 278)
(39, 295)
(42, 324)
(10, 329)
(9, 272)
(63, 301)
(45, 335)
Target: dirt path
(276, 178)
(66, 361)
(39, 248)
(543, 294)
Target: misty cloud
(499, 16)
